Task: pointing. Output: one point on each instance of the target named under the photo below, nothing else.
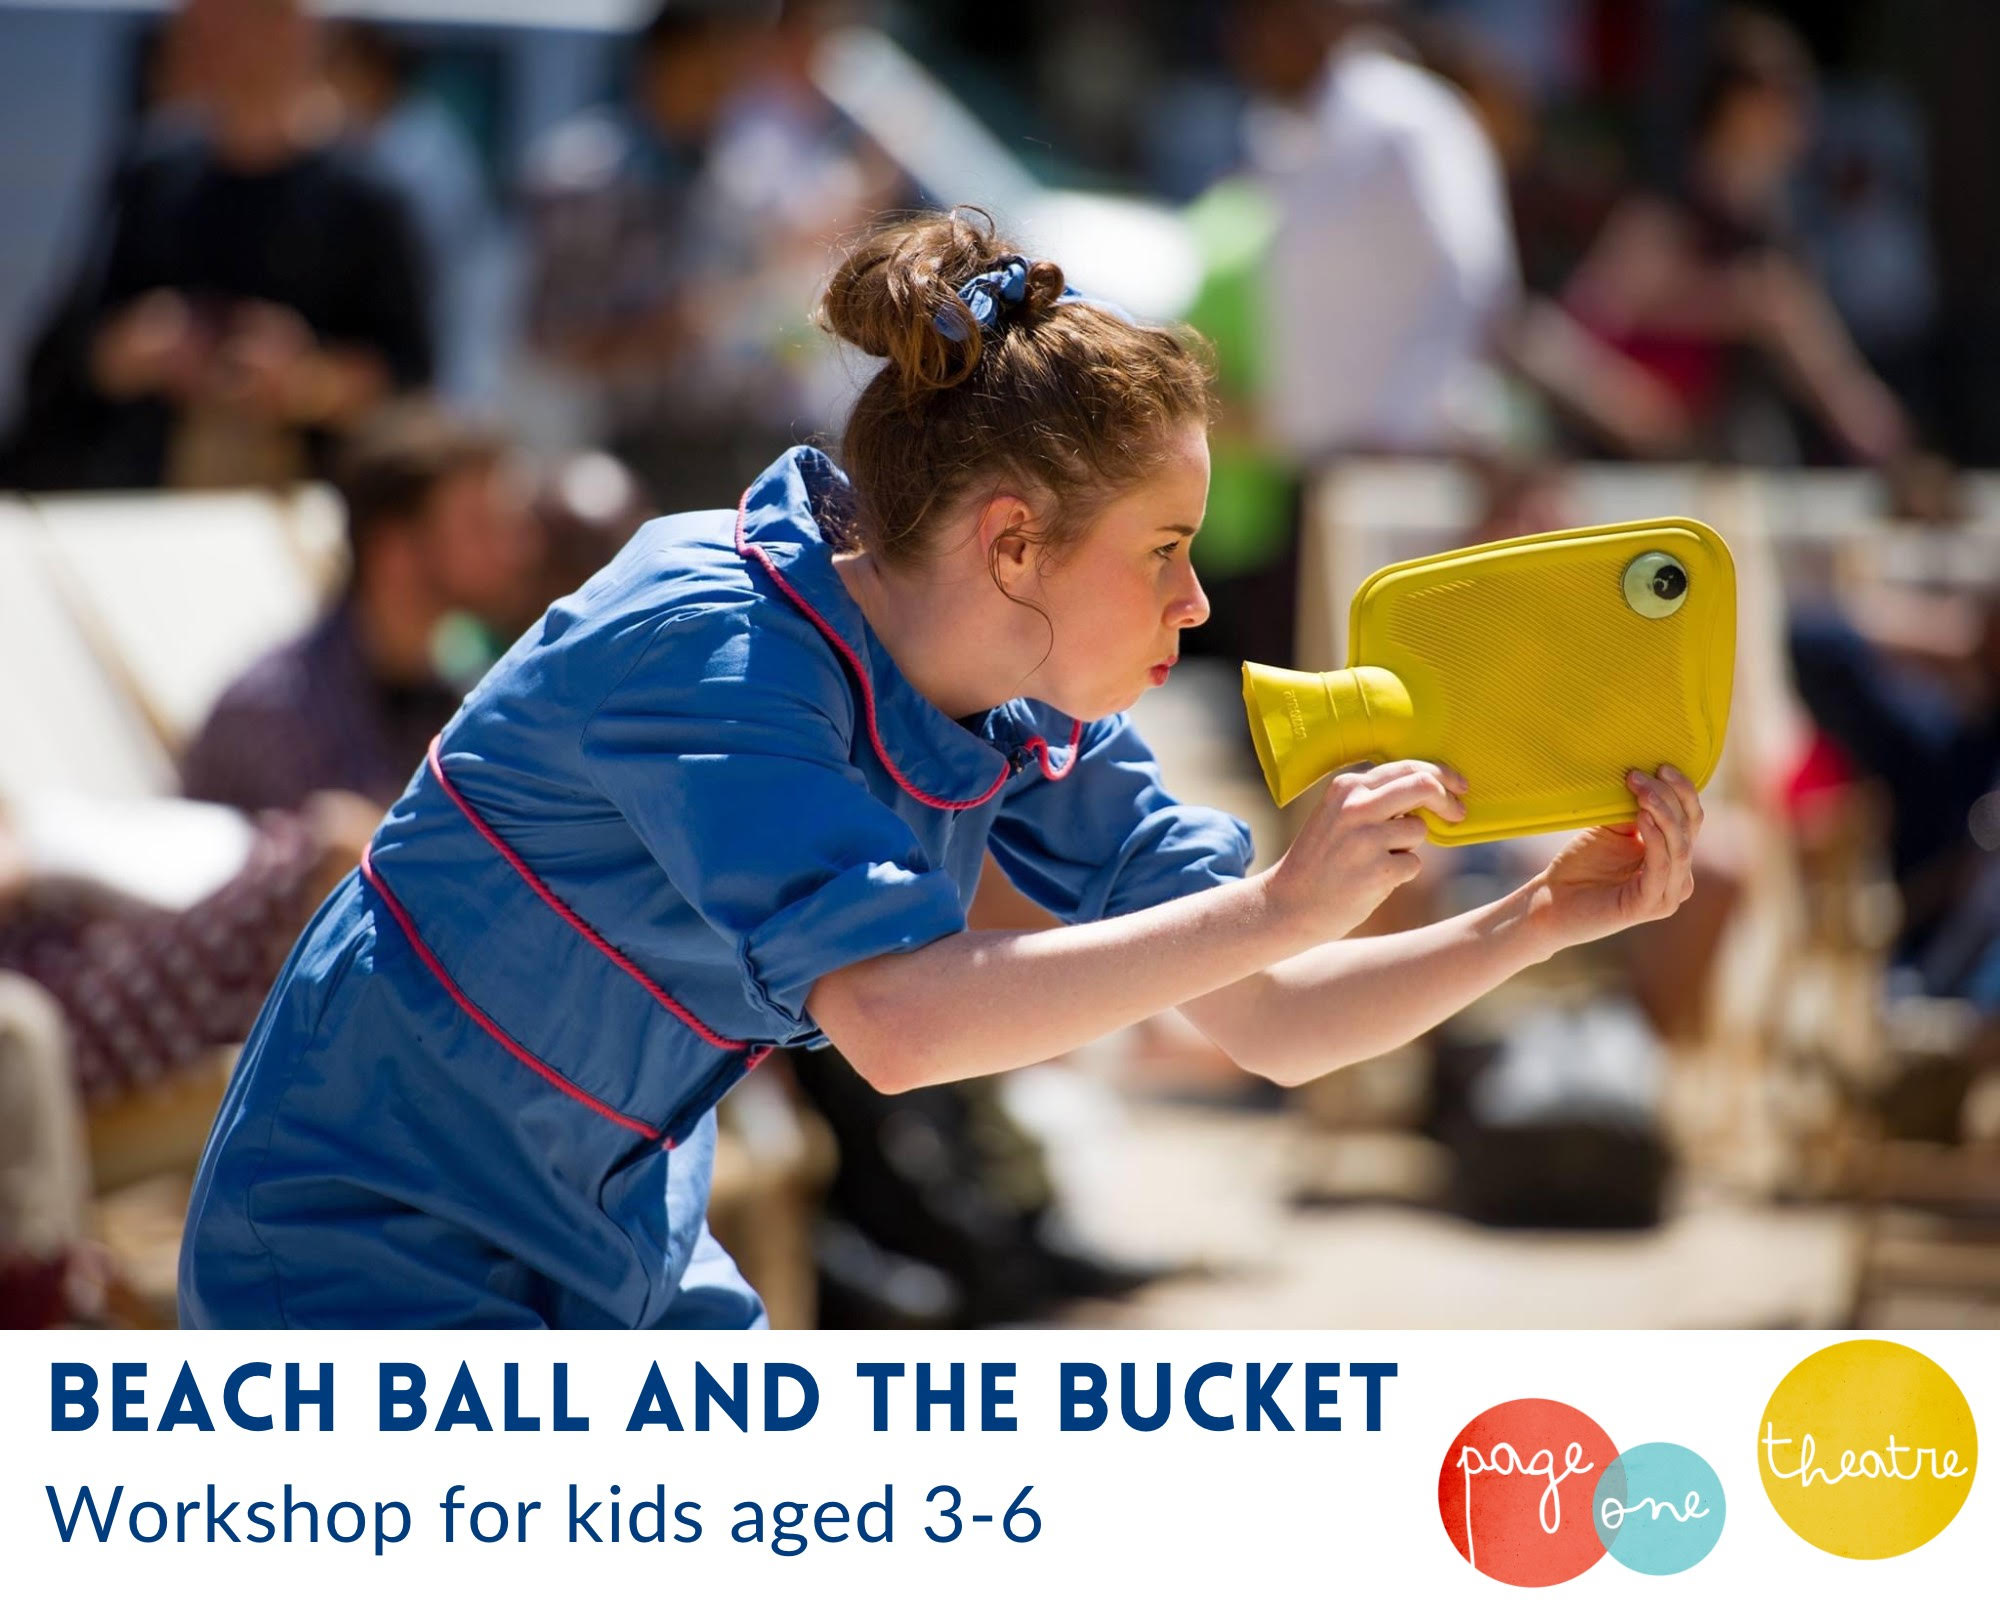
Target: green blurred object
(462, 648)
(1250, 487)
(1233, 224)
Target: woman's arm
(1805, 332)
(975, 1003)
(1245, 961)
(1346, 1002)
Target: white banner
(993, 1463)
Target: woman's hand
(1360, 843)
(1611, 878)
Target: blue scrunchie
(1000, 286)
(1006, 284)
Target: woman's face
(1119, 598)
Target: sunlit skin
(996, 613)
(1119, 601)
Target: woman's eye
(1166, 551)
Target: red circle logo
(1515, 1488)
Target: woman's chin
(1093, 708)
(1097, 701)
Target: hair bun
(895, 295)
(1066, 400)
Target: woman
(735, 793)
(1685, 285)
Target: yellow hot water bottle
(1541, 668)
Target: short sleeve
(725, 746)
(1107, 838)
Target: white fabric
(1393, 259)
(179, 592)
(168, 853)
(64, 723)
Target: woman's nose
(1190, 607)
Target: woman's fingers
(1655, 869)
(1666, 875)
(1422, 787)
(1684, 790)
(1404, 833)
(1388, 770)
(1660, 797)
(1665, 805)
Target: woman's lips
(1159, 673)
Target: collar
(782, 526)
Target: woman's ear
(1008, 534)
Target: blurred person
(438, 527)
(737, 794)
(943, 1180)
(1588, 389)
(788, 173)
(1392, 265)
(1388, 309)
(621, 249)
(424, 153)
(1380, 308)
(146, 990)
(1354, 273)
(102, 996)
(1687, 283)
(1906, 686)
(251, 292)
(710, 204)
(782, 155)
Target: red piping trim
(590, 935)
(1040, 746)
(1037, 744)
(493, 1030)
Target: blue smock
(482, 1091)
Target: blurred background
(335, 343)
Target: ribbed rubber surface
(1532, 675)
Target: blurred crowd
(1507, 234)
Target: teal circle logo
(1658, 1509)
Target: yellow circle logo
(1867, 1449)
